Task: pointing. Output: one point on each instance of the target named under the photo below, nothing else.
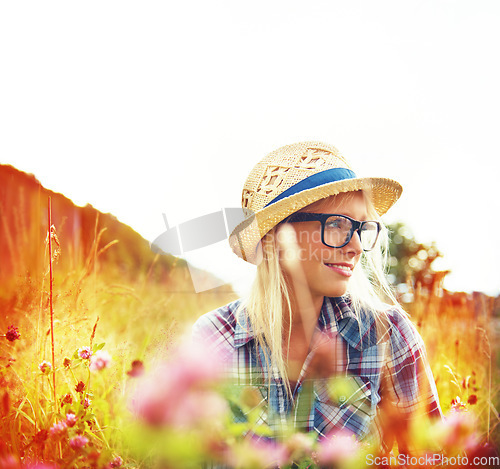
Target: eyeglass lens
(338, 230)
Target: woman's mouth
(342, 269)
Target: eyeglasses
(337, 230)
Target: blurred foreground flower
(71, 419)
(337, 449)
(137, 369)
(100, 360)
(457, 432)
(258, 454)
(181, 392)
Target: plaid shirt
(367, 369)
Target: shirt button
(342, 399)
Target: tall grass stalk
(51, 305)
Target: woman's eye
(337, 224)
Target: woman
(316, 334)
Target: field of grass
(71, 359)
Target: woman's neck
(304, 316)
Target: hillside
(85, 235)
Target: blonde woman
(321, 311)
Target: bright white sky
(144, 108)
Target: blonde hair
(270, 296)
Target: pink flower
(86, 402)
(9, 462)
(256, 452)
(85, 353)
(58, 429)
(137, 369)
(338, 448)
(458, 406)
(181, 392)
(39, 465)
(100, 360)
(71, 419)
(45, 367)
(458, 432)
(78, 441)
(299, 445)
(117, 462)
(12, 334)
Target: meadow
(90, 377)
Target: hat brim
(245, 238)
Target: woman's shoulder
(217, 325)
(402, 330)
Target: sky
(150, 108)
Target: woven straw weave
(282, 169)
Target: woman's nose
(354, 245)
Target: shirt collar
(358, 333)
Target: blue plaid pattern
(362, 360)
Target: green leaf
(98, 347)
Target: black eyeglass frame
(323, 217)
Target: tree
(411, 261)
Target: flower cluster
(84, 353)
(181, 392)
(78, 442)
(58, 429)
(45, 367)
(12, 334)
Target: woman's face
(324, 270)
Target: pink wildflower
(117, 462)
(78, 441)
(137, 369)
(100, 360)
(45, 367)
(80, 387)
(299, 445)
(71, 419)
(458, 432)
(85, 353)
(257, 453)
(181, 392)
(337, 449)
(457, 405)
(67, 399)
(12, 334)
(58, 429)
(9, 462)
(86, 403)
(40, 465)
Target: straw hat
(292, 177)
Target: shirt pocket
(346, 392)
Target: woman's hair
(270, 296)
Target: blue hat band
(315, 180)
